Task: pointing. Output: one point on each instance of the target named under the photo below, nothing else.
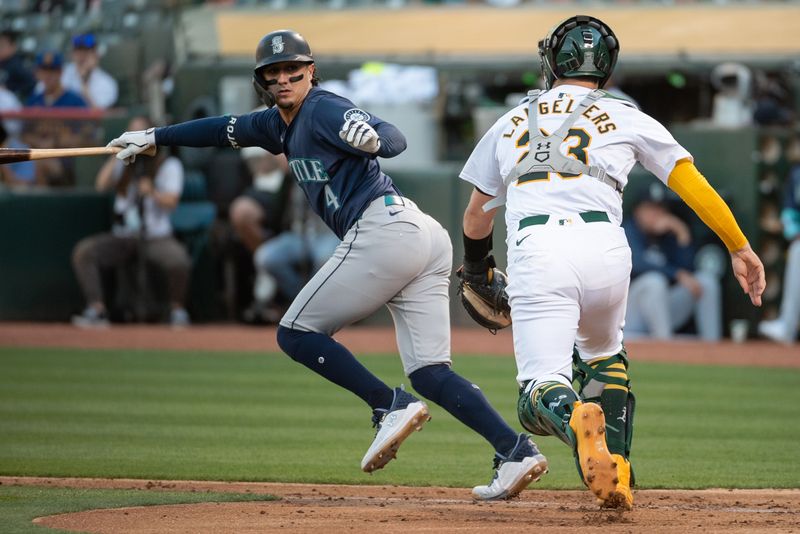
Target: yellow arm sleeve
(695, 190)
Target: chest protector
(544, 154)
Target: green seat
(191, 223)
(194, 186)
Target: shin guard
(545, 410)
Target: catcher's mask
(278, 47)
(581, 46)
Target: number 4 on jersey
(330, 198)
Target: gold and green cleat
(601, 470)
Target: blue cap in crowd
(84, 40)
(49, 59)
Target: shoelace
(377, 417)
(500, 460)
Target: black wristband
(477, 249)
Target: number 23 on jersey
(578, 138)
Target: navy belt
(587, 216)
(393, 200)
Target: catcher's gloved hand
(483, 293)
(133, 143)
(360, 135)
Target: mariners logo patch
(356, 114)
(277, 44)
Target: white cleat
(406, 414)
(775, 330)
(524, 465)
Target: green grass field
(19, 505)
(262, 417)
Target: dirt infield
(370, 340)
(327, 508)
(330, 508)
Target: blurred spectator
(286, 262)
(773, 102)
(665, 290)
(259, 213)
(46, 134)
(146, 193)
(19, 78)
(49, 65)
(784, 328)
(85, 77)
(9, 102)
(49, 6)
(22, 173)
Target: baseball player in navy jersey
(559, 161)
(391, 254)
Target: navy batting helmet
(276, 47)
(581, 46)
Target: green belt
(587, 216)
(393, 200)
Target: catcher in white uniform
(568, 259)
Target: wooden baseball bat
(13, 155)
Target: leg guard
(605, 381)
(545, 410)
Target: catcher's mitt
(486, 303)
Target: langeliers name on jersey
(564, 105)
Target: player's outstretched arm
(251, 129)
(695, 190)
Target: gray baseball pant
(395, 255)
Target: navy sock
(466, 402)
(333, 361)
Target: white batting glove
(360, 135)
(133, 143)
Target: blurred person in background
(773, 101)
(19, 77)
(46, 134)
(666, 290)
(286, 262)
(145, 196)
(259, 213)
(784, 328)
(51, 93)
(9, 103)
(85, 76)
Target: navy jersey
(338, 180)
